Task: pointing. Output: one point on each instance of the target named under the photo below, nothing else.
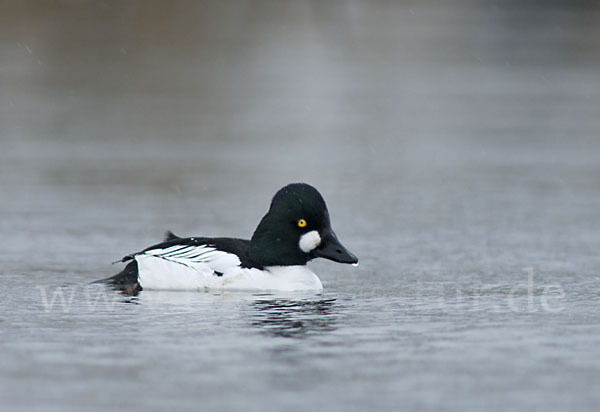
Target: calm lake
(457, 145)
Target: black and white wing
(198, 257)
(183, 263)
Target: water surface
(456, 144)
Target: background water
(457, 144)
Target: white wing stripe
(166, 252)
(181, 251)
(188, 254)
(208, 255)
(174, 252)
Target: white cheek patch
(309, 241)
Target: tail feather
(126, 280)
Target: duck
(295, 230)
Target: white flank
(272, 278)
(183, 267)
(193, 268)
(292, 278)
(309, 241)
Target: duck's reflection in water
(294, 318)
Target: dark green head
(296, 229)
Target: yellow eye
(302, 223)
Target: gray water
(457, 144)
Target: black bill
(331, 248)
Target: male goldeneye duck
(295, 230)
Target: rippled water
(457, 145)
